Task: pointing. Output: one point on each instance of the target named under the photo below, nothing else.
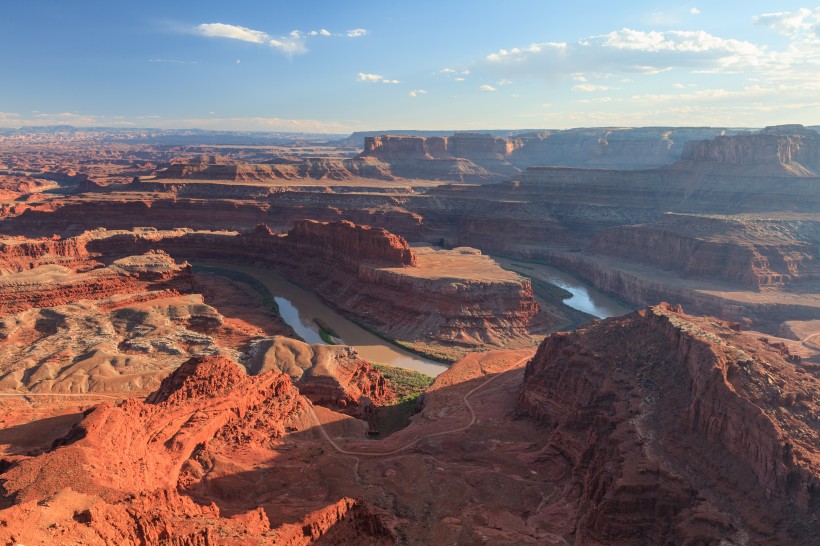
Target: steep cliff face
(308, 168)
(787, 150)
(406, 147)
(753, 253)
(462, 157)
(350, 244)
(457, 296)
(608, 148)
(629, 417)
(21, 254)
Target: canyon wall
(753, 253)
(793, 148)
(455, 297)
(629, 416)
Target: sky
(336, 67)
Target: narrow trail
(412, 443)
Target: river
(584, 297)
(299, 307)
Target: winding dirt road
(417, 440)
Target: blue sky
(344, 66)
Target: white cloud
(417, 92)
(291, 45)
(365, 77)
(588, 88)
(503, 82)
(627, 50)
(454, 74)
(294, 43)
(790, 23)
(694, 11)
(486, 87)
(234, 32)
(678, 85)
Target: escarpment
(785, 150)
(690, 431)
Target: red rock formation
(406, 147)
(345, 522)
(459, 296)
(51, 285)
(329, 375)
(464, 156)
(350, 244)
(310, 168)
(688, 432)
(124, 468)
(18, 254)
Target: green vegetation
(409, 385)
(326, 332)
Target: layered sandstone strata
(49, 285)
(690, 431)
(784, 150)
(217, 168)
(462, 157)
(754, 253)
(441, 296)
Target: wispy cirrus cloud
(293, 43)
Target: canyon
(155, 389)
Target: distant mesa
(778, 150)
